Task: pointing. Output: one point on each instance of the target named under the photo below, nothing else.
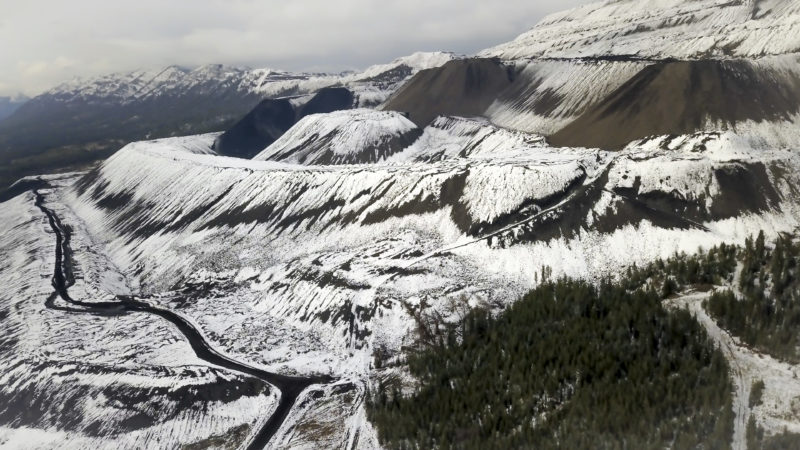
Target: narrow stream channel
(290, 387)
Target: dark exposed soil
(459, 88)
(680, 97)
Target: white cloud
(48, 41)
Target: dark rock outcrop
(272, 117)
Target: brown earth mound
(683, 97)
(459, 88)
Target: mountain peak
(415, 61)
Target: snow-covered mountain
(327, 247)
(83, 120)
(661, 29)
(124, 88)
(613, 72)
(175, 81)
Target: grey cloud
(48, 41)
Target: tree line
(570, 365)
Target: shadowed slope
(259, 128)
(459, 88)
(272, 117)
(327, 100)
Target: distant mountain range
(84, 120)
(8, 105)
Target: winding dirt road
(289, 387)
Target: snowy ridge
(456, 137)
(325, 184)
(307, 269)
(134, 86)
(295, 226)
(661, 29)
(371, 87)
(124, 88)
(199, 144)
(342, 137)
(416, 62)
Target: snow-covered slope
(172, 213)
(104, 113)
(457, 137)
(415, 62)
(201, 144)
(547, 95)
(73, 381)
(273, 117)
(326, 248)
(612, 72)
(343, 137)
(372, 84)
(659, 29)
(686, 97)
(307, 269)
(375, 84)
(608, 102)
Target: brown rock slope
(606, 104)
(459, 88)
(683, 97)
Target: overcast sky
(44, 42)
